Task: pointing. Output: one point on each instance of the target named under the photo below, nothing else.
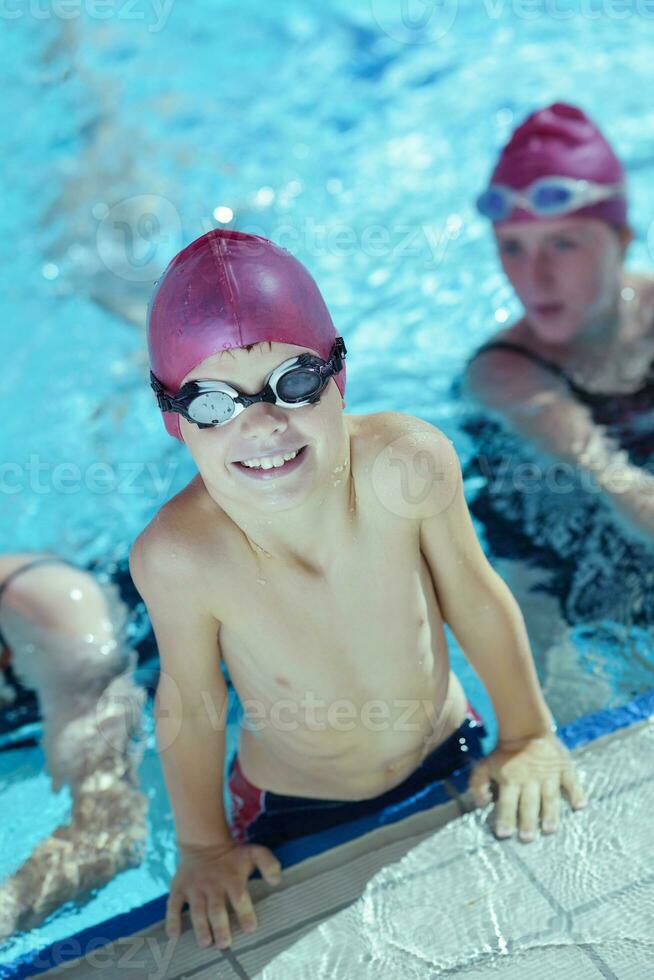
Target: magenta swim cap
(561, 141)
(225, 290)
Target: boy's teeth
(269, 462)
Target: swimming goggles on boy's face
(296, 382)
(546, 197)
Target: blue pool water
(357, 142)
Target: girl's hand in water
(207, 878)
(529, 775)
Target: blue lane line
(573, 735)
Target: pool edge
(574, 735)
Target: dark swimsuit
(630, 417)
(597, 570)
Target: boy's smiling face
(266, 431)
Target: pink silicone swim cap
(225, 290)
(561, 141)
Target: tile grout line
(237, 966)
(592, 954)
(597, 961)
(231, 956)
(624, 890)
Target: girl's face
(565, 271)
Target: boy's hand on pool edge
(528, 777)
(209, 875)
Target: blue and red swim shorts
(262, 817)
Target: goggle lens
(550, 197)
(212, 407)
(493, 204)
(298, 385)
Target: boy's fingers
(219, 920)
(173, 914)
(199, 919)
(267, 864)
(479, 784)
(572, 785)
(550, 806)
(240, 899)
(483, 797)
(506, 809)
(529, 809)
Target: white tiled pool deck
(437, 895)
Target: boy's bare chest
(362, 625)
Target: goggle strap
(163, 400)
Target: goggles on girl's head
(294, 383)
(546, 197)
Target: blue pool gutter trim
(573, 735)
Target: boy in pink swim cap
(575, 373)
(306, 557)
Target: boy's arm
(417, 475)
(191, 699)
(478, 606)
(529, 765)
(191, 711)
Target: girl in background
(565, 436)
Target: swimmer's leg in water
(69, 651)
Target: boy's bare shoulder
(388, 426)
(411, 466)
(179, 536)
